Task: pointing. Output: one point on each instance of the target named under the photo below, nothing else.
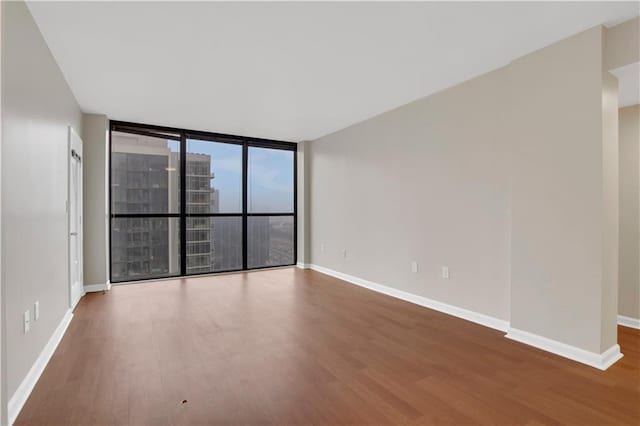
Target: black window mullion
(146, 133)
(295, 206)
(245, 167)
(214, 214)
(143, 215)
(285, 146)
(110, 277)
(183, 204)
(271, 214)
(212, 137)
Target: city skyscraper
(141, 183)
(145, 179)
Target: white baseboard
(92, 288)
(601, 361)
(303, 265)
(24, 390)
(465, 314)
(629, 322)
(77, 291)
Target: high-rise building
(142, 182)
(227, 251)
(145, 179)
(201, 198)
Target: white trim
(92, 288)
(601, 361)
(629, 321)
(24, 390)
(465, 314)
(303, 265)
(77, 292)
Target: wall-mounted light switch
(445, 272)
(414, 266)
(26, 320)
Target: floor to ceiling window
(270, 207)
(186, 202)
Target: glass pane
(214, 177)
(144, 248)
(145, 174)
(270, 241)
(214, 244)
(270, 181)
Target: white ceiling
(290, 71)
(628, 84)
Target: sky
(270, 176)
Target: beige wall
(505, 179)
(95, 192)
(629, 289)
(303, 158)
(3, 346)
(37, 107)
(557, 243)
(622, 44)
(425, 182)
(610, 212)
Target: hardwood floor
(296, 347)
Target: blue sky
(270, 183)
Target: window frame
(182, 135)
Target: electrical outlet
(414, 267)
(321, 248)
(344, 253)
(445, 272)
(26, 321)
(36, 311)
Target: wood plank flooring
(296, 347)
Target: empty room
(319, 213)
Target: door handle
(73, 234)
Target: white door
(75, 219)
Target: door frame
(74, 149)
